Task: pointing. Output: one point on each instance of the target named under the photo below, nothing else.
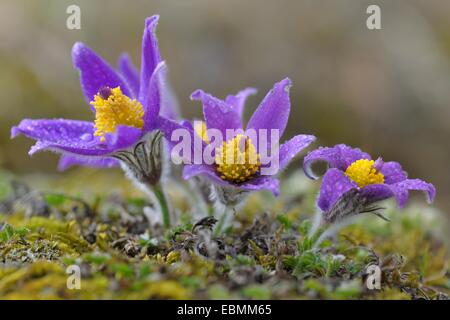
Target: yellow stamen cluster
(200, 130)
(237, 160)
(113, 108)
(363, 173)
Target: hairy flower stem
(344, 212)
(163, 204)
(331, 230)
(143, 165)
(223, 223)
(199, 197)
(316, 224)
(227, 199)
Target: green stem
(159, 193)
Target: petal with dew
(74, 137)
(218, 114)
(123, 138)
(152, 102)
(61, 135)
(335, 183)
(168, 127)
(95, 72)
(273, 112)
(262, 183)
(393, 172)
(339, 156)
(376, 192)
(401, 190)
(255, 184)
(67, 161)
(150, 56)
(292, 147)
(208, 171)
(238, 100)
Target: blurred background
(386, 91)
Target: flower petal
(377, 192)
(339, 156)
(192, 170)
(179, 134)
(335, 183)
(218, 114)
(393, 172)
(67, 134)
(95, 72)
(152, 102)
(237, 101)
(73, 137)
(187, 124)
(273, 112)
(123, 137)
(258, 183)
(262, 183)
(401, 190)
(291, 148)
(170, 107)
(168, 127)
(129, 73)
(67, 161)
(150, 57)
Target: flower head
(238, 161)
(353, 172)
(127, 105)
(363, 173)
(113, 108)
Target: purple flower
(352, 174)
(272, 113)
(127, 106)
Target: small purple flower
(352, 174)
(127, 105)
(272, 113)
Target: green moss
(266, 256)
(256, 291)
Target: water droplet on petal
(86, 137)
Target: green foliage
(55, 199)
(8, 232)
(284, 220)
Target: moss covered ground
(96, 220)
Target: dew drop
(86, 137)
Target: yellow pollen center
(237, 160)
(113, 108)
(363, 173)
(200, 130)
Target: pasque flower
(237, 163)
(130, 109)
(354, 182)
